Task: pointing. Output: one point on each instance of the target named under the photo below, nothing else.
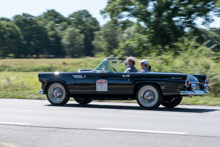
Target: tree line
(48, 34)
(157, 27)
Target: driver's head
(130, 61)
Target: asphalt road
(36, 123)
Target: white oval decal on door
(101, 85)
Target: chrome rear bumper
(196, 91)
(192, 93)
(41, 92)
(206, 88)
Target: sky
(10, 8)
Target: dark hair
(149, 67)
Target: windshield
(112, 64)
(101, 66)
(118, 65)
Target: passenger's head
(130, 61)
(145, 63)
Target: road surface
(36, 123)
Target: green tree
(4, 19)
(53, 15)
(210, 36)
(124, 24)
(134, 43)
(87, 25)
(107, 39)
(35, 34)
(4, 51)
(11, 39)
(165, 20)
(73, 42)
(54, 46)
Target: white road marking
(7, 145)
(143, 131)
(24, 107)
(14, 123)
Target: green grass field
(47, 65)
(20, 79)
(20, 85)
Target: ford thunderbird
(109, 82)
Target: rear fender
(202, 78)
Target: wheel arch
(139, 84)
(55, 81)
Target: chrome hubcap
(149, 96)
(56, 93)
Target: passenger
(145, 67)
(130, 62)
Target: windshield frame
(105, 62)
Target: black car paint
(119, 84)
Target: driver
(130, 62)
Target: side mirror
(114, 61)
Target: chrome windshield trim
(106, 63)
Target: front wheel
(82, 101)
(149, 96)
(57, 94)
(170, 102)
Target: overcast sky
(9, 8)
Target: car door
(81, 83)
(113, 83)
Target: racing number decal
(101, 85)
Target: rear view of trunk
(195, 85)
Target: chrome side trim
(41, 92)
(192, 93)
(77, 76)
(81, 90)
(126, 76)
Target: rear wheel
(82, 101)
(149, 96)
(170, 102)
(57, 94)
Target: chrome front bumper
(41, 92)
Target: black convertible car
(109, 82)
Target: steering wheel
(113, 69)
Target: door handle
(126, 76)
